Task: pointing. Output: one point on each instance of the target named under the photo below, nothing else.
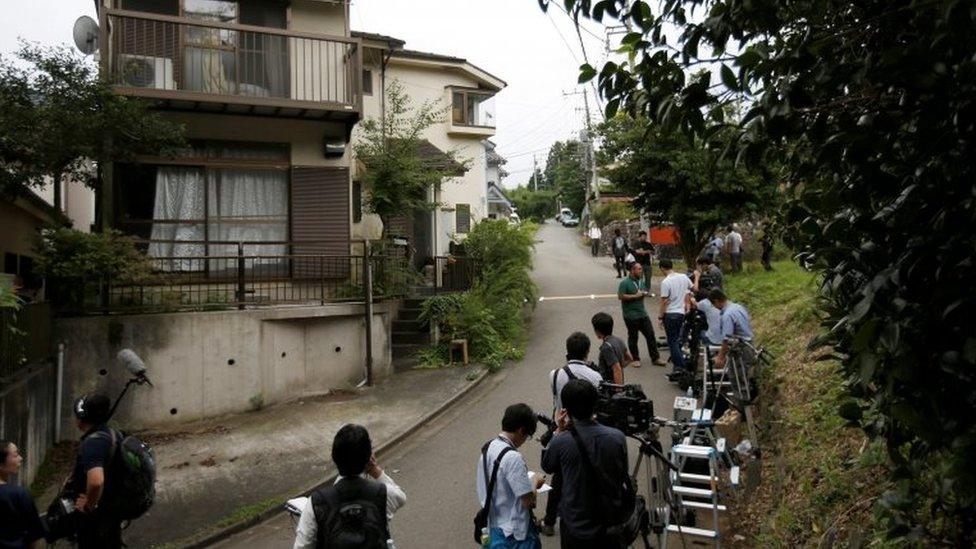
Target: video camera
(625, 407)
(544, 438)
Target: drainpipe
(58, 391)
(368, 307)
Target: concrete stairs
(409, 334)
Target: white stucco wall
(430, 84)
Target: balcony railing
(177, 59)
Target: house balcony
(210, 66)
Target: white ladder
(692, 498)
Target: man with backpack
(591, 458)
(355, 510)
(576, 367)
(506, 493)
(620, 249)
(91, 484)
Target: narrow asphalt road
(436, 468)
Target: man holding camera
(87, 486)
(592, 461)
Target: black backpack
(351, 514)
(130, 485)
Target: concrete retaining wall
(204, 364)
(27, 417)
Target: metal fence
(453, 274)
(212, 282)
(25, 338)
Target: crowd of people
(588, 487)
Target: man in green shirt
(631, 292)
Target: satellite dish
(86, 35)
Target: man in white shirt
(577, 351)
(360, 480)
(595, 235)
(513, 496)
(733, 243)
(675, 302)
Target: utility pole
(593, 186)
(535, 170)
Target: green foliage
(612, 211)
(871, 108)
(66, 254)
(491, 315)
(59, 120)
(396, 175)
(534, 205)
(681, 181)
(76, 263)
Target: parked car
(563, 213)
(570, 221)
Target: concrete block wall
(205, 364)
(27, 417)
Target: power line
(565, 42)
(578, 24)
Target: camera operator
(589, 505)
(93, 527)
(577, 351)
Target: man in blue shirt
(735, 322)
(510, 523)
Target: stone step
(409, 325)
(410, 338)
(406, 350)
(408, 314)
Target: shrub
(490, 315)
(613, 211)
(76, 263)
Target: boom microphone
(132, 363)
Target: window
(367, 82)
(472, 108)
(462, 221)
(216, 195)
(357, 201)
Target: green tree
(871, 106)
(59, 121)
(396, 174)
(534, 205)
(679, 180)
(565, 172)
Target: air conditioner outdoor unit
(143, 71)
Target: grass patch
(820, 477)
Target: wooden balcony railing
(183, 60)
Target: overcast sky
(536, 54)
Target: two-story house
(260, 210)
(268, 92)
(466, 93)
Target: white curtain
(179, 196)
(248, 206)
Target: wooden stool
(461, 345)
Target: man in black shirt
(614, 355)
(644, 252)
(88, 484)
(586, 503)
(20, 525)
